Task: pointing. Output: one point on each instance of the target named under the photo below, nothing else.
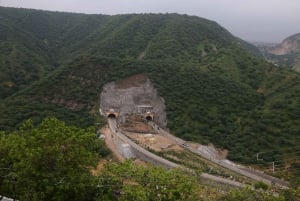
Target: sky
(251, 20)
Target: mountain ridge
(56, 37)
(289, 45)
(285, 54)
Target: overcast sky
(251, 20)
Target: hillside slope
(285, 54)
(215, 90)
(39, 41)
(288, 46)
(22, 59)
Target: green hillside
(22, 59)
(216, 89)
(33, 42)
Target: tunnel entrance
(112, 116)
(149, 118)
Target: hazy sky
(252, 20)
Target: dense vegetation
(250, 195)
(32, 42)
(55, 64)
(49, 162)
(53, 161)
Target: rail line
(252, 174)
(157, 160)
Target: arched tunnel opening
(149, 118)
(112, 116)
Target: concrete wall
(124, 148)
(139, 151)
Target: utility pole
(257, 156)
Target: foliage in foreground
(49, 162)
(259, 195)
(53, 161)
(131, 182)
(128, 181)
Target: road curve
(163, 162)
(113, 126)
(257, 176)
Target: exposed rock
(285, 54)
(288, 46)
(133, 95)
(211, 152)
(137, 124)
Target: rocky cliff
(286, 54)
(288, 46)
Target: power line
(280, 150)
(286, 154)
(288, 160)
(266, 157)
(288, 168)
(278, 166)
(265, 163)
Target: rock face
(133, 95)
(286, 54)
(288, 46)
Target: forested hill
(216, 89)
(34, 42)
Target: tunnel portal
(111, 116)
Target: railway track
(244, 171)
(157, 160)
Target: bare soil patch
(131, 81)
(154, 141)
(137, 124)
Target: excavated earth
(133, 95)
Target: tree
(246, 194)
(131, 182)
(49, 162)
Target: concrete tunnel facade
(132, 96)
(111, 113)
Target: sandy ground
(96, 171)
(154, 141)
(137, 124)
